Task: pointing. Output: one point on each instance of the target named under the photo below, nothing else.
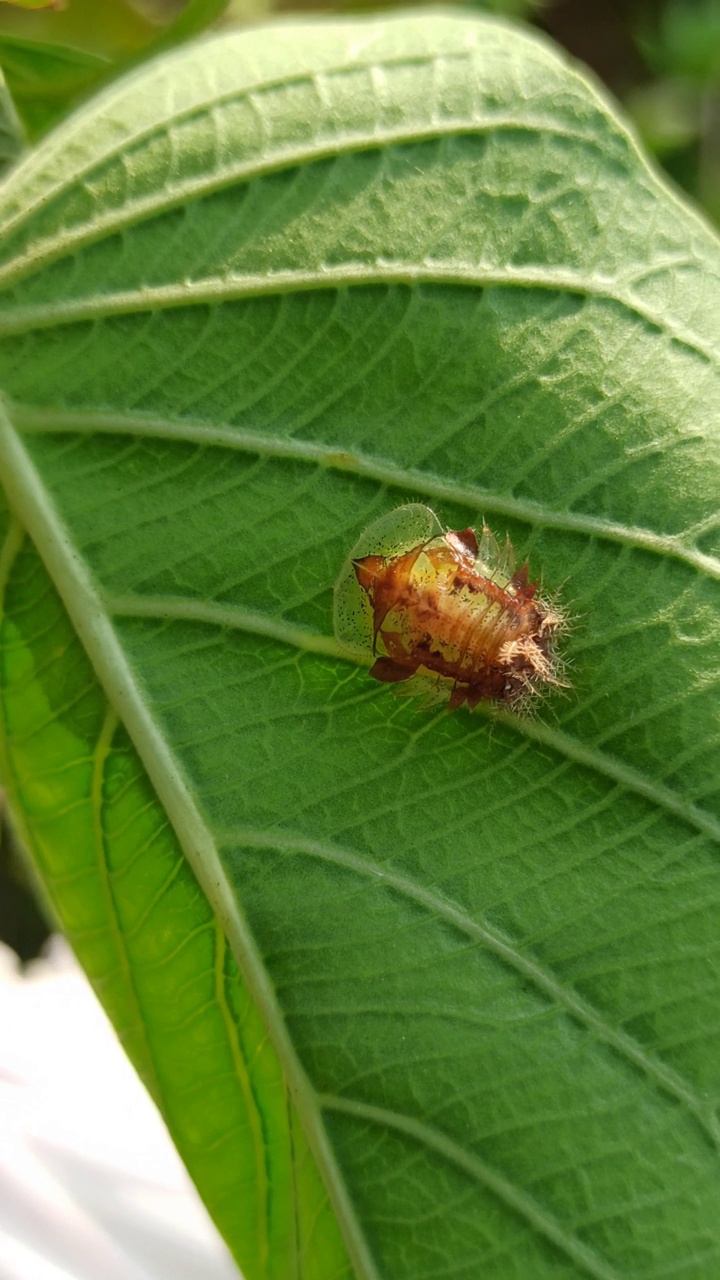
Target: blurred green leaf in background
(37, 4)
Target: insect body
(446, 612)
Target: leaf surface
(254, 297)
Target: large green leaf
(252, 298)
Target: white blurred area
(91, 1187)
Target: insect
(447, 612)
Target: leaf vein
(212, 291)
(103, 747)
(175, 195)
(38, 420)
(529, 1209)
(585, 1014)
(262, 1184)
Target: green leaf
(45, 79)
(12, 141)
(36, 4)
(255, 296)
(193, 18)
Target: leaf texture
(253, 297)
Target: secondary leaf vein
(529, 1209)
(412, 480)
(214, 291)
(592, 1020)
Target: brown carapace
(453, 611)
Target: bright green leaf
(257, 295)
(117, 879)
